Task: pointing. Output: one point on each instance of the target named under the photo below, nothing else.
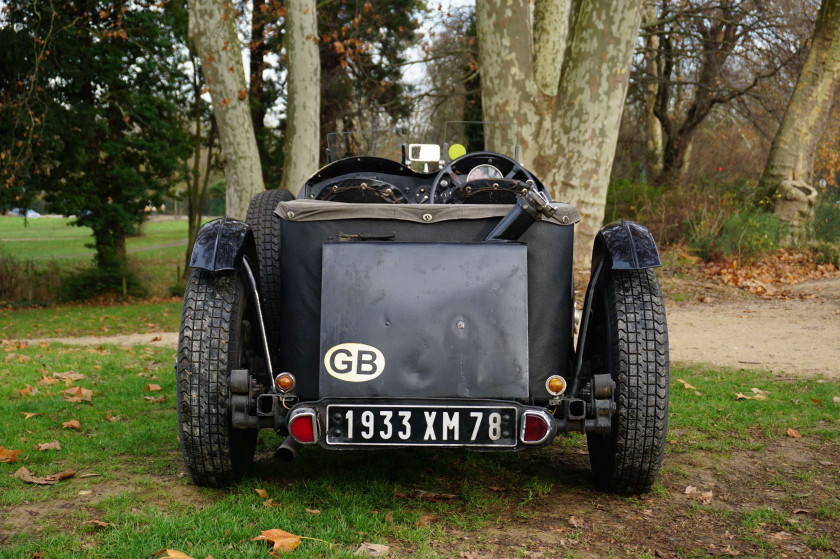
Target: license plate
(421, 425)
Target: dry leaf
(421, 495)
(425, 520)
(111, 418)
(152, 388)
(29, 414)
(9, 455)
(154, 400)
(77, 394)
(52, 445)
(706, 497)
(262, 493)
(742, 396)
(836, 400)
(25, 475)
(368, 549)
(759, 391)
(171, 554)
(816, 401)
(270, 503)
(686, 385)
(793, 433)
(801, 511)
(28, 391)
(72, 424)
(281, 540)
(97, 523)
(575, 522)
(69, 377)
(389, 517)
(313, 512)
(690, 490)
(47, 381)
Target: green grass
(54, 237)
(101, 320)
(149, 506)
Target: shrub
(90, 283)
(828, 253)
(23, 282)
(827, 221)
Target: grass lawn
(129, 477)
(156, 256)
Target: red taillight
(535, 429)
(302, 427)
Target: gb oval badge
(353, 362)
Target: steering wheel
(454, 173)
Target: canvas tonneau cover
(318, 210)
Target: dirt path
(797, 336)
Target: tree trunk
(787, 175)
(569, 132)
(654, 143)
(213, 32)
(302, 141)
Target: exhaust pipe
(287, 451)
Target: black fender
(627, 246)
(620, 245)
(221, 245)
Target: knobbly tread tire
(266, 228)
(627, 460)
(209, 346)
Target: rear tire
(630, 341)
(214, 338)
(266, 227)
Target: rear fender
(221, 245)
(621, 245)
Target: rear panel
(437, 320)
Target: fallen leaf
(690, 490)
(836, 400)
(77, 394)
(281, 540)
(171, 554)
(47, 381)
(313, 512)
(25, 475)
(778, 536)
(28, 391)
(72, 424)
(421, 495)
(97, 523)
(9, 455)
(262, 493)
(706, 497)
(83, 476)
(29, 414)
(389, 517)
(69, 377)
(425, 520)
(742, 396)
(759, 391)
(268, 503)
(85, 492)
(686, 385)
(157, 400)
(152, 388)
(368, 549)
(111, 418)
(575, 522)
(801, 511)
(52, 445)
(156, 339)
(816, 401)
(793, 433)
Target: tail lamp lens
(302, 427)
(536, 428)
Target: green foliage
(827, 221)
(90, 283)
(91, 97)
(744, 234)
(828, 253)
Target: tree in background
(787, 178)
(90, 115)
(212, 29)
(362, 50)
(561, 76)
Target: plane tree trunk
(787, 176)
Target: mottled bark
(787, 175)
(568, 138)
(302, 142)
(214, 36)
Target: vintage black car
(426, 302)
